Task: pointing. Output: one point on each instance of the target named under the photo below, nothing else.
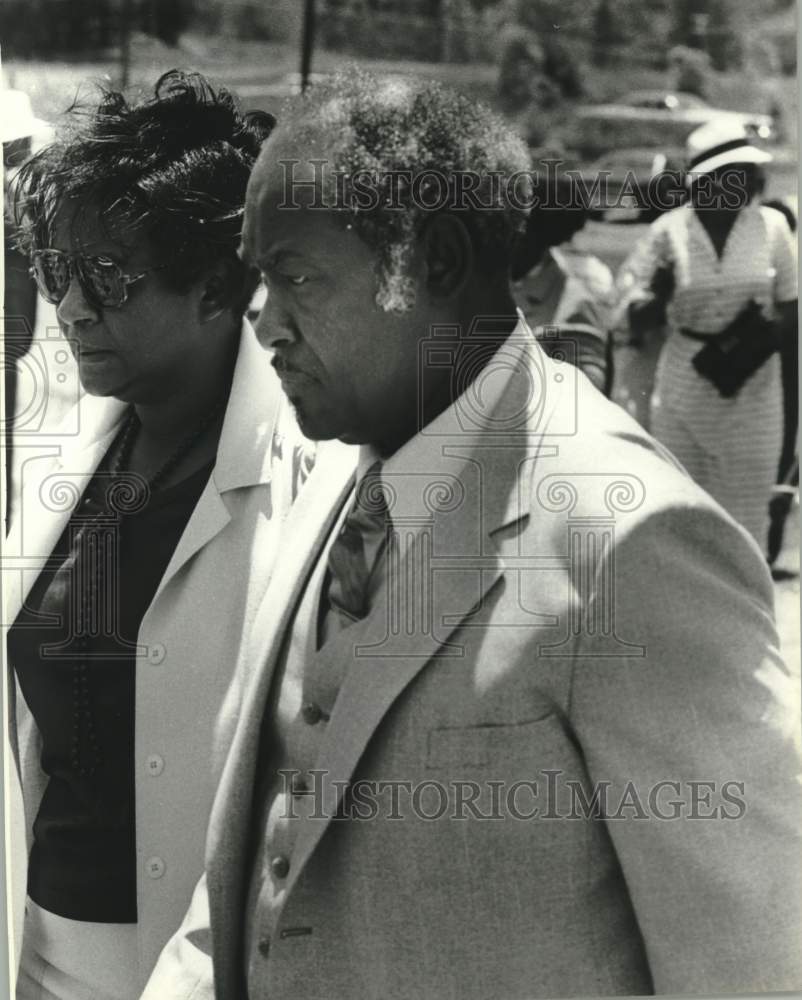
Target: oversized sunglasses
(103, 281)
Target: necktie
(355, 554)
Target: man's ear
(224, 287)
(449, 255)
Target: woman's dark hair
(173, 168)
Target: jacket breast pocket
(487, 744)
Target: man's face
(348, 368)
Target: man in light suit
(511, 721)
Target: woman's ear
(224, 288)
(448, 254)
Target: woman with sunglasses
(140, 549)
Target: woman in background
(788, 469)
(720, 266)
(151, 536)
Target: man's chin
(313, 426)
(317, 427)
(125, 391)
(95, 388)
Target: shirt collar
(368, 456)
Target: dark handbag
(731, 357)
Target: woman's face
(145, 350)
(729, 188)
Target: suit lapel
(303, 535)
(208, 519)
(244, 453)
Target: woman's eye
(298, 279)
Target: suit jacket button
(155, 867)
(264, 946)
(156, 654)
(155, 765)
(311, 713)
(280, 866)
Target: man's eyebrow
(275, 256)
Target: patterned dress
(729, 446)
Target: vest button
(264, 946)
(311, 713)
(280, 866)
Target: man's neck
(481, 334)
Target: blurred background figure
(788, 471)
(721, 273)
(18, 127)
(789, 356)
(637, 347)
(565, 293)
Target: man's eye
(298, 279)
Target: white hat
(718, 142)
(17, 120)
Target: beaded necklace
(85, 750)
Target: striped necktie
(355, 555)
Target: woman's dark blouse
(73, 647)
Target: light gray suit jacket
(572, 611)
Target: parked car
(678, 102)
(634, 185)
(654, 117)
(662, 100)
